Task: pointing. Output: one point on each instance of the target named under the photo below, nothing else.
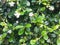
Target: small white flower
(0, 9)
(11, 4)
(17, 21)
(59, 13)
(31, 14)
(51, 8)
(56, 20)
(48, 40)
(17, 14)
(28, 3)
(9, 31)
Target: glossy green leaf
(28, 25)
(21, 31)
(18, 27)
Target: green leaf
(28, 9)
(32, 42)
(44, 0)
(1, 38)
(42, 9)
(42, 40)
(36, 29)
(27, 32)
(22, 40)
(11, 39)
(43, 33)
(21, 31)
(28, 25)
(3, 24)
(58, 41)
(33, 20)
(40, 19)
(55, 27)
(18, 27)
(4, 35)
(5, 29)
(45, 37)
(22, 13)
(50, 29)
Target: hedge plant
(29, 22)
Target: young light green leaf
(18, 27)
(55, 27)
(28, 25)
(58, 41)
(32, 42)
(43, 33)
(22, 40)
(45, 37)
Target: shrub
(30, 22)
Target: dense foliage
(29, 22)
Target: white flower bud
(17, 21)
(48, 40)
(31, 14)
(0, 9)
(9, 31)
(11, 4)
(17, 14)
(51, 8)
